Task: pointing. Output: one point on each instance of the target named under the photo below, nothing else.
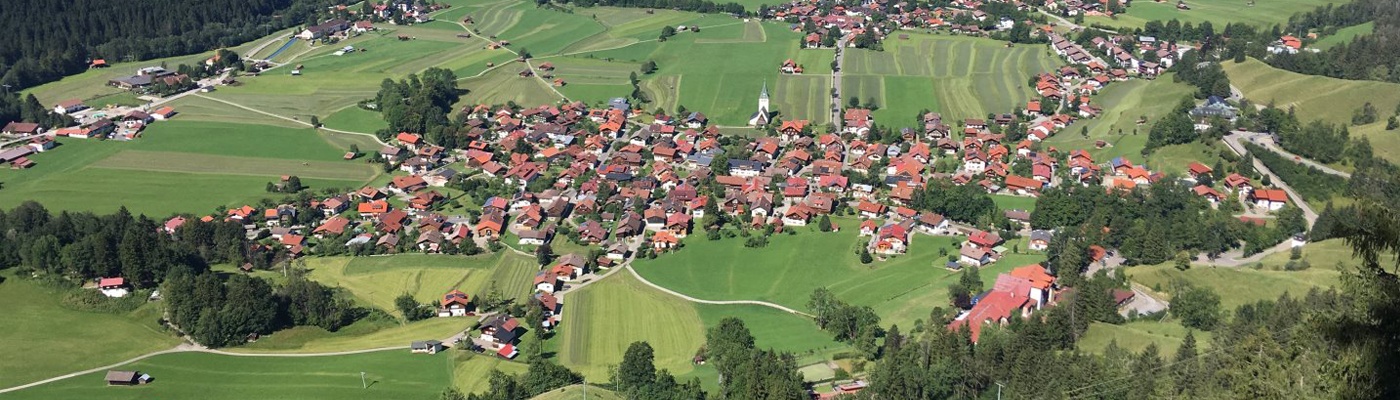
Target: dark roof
(121, 376)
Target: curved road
(719, 302)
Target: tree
(544, 254)
(1198, 307)
(865, 257)
(315, 121)
(637, 369)
(648, 67)
(971, 280)
(824, 223)
(411, 309)
(667, 32)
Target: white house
(113, 287)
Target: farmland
(393, 374)
(1262, 14)
(376, 281)
(959, 76)
(38, 320)
(719, 70)
(901, 289)
(1124, 103)
(179, 166)
(1313, 97)
(1344, 35)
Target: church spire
(764, 93)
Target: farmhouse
(113, 287)
(500, 329)
(453, 304)
(68, 106)
(324, 29)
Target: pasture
(355, 119)
(473, 371)
(39, 320)
(1344, 35)
(1136, 335)
(721, 70)
(959, 76)
(1124, 103)
(1262, 13)
(377, 281)
(1313, 97)
(1173, 159)
(577, 392)
(392, 374)
(602, 319)
(180, 166)
(1246, 284)
(364, 334)
(901, 289)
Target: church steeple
(764, 94)
(764, 112)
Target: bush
(94, 301)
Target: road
(1267, 141)
(836, 84)
(1060, 20)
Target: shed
(122, 378)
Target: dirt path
(717, 302)
(294, 120)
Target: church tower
(763, 115)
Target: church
(764, 114)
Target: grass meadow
(959, 76)
(377, 281)
(901, 289)
(179, 166)
(1136, 335)
(1344, 35)
(79, 339)
(1124, 103)
(392, 374)
(1262, 14)
(1312, 96)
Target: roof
(120, 376)
(109, 282)
(1034, 273)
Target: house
(1209, 193)
(324, 29)
(1238, 183)
(546, 282)
(997, 307)
(871, 210)
(1042, 284)
(425, 347)
(113, 287)
(984, 240)
(68, 106)
(163, 113)
(1023, 186)
(1040, 240)
(1270, 199)
(1196, 170)
(21, 129)
(1286, 45)
(975, 256)
(453, 304)
(932, 223)
(490, 224)
(664, 240)
(500, 329)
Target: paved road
(1235, 142)
(1267, 141)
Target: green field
(1344, 35)
(38, 320)
(901, 289)
(179, 166)
(1008, 202)
(1173, 159)
(1261, 14)
(1312, 96)
(1245, 285)
(959, 76)
(719, 70)
(577, 392)
(504, 84)
(355, 119)
(394, 374)
(1124, 103)
(601, 320)
(376, 281)
(1135, 336)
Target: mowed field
(1260, 13)
(393, 374)
(38, 320)
(602, 319)
(1245, 285)
(719, 70)
(1312, 96)
(377, 281)
(901, 289)
(959, 76)
(179, 166)
(1124, 103)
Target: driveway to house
(1234, 142)
(1143, 302)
